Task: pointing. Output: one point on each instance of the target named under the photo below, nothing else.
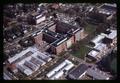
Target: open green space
(92, 33)
(90, 28)
(79, 50)
(113, 65)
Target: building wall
(38, 39)
(41, 19)
(82, 35)
(63, 46)
(69, 42)
(53, 49)
(52, 28)
(59, 48)
(79, 35)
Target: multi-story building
(59, 36)
(38, 37)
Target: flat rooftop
(77, 72)
(109, 7)
(97, 74)
(63, 32)
(66, 28)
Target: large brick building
(59, 36)
(59, 46)
(38, 37)
(70, 33)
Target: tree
(101, 28)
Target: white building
(97, 39)
(58, 71)
(100, 47)
(112, 34)
(30, 60)
(94, 54)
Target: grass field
(90, 28)
(80, 50)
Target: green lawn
(90, 28)
(80, 50)
(114, 65)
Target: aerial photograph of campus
(60, 41)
